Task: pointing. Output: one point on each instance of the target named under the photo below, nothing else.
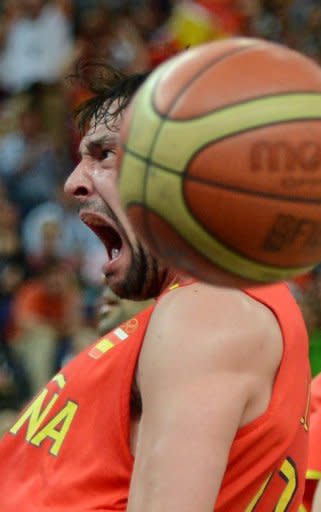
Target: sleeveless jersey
(267, 461)
(68, 451)
(313, 474)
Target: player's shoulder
(224, 322)
(221, 307)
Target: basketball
(220, 160)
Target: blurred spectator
(126, 46)
(28, 161)
(12, 274)
(10, 245)
(111, 35)
(227, 16)
(268, 21)
(53, 229)
(35, 43)
(3, 190)
(13, 383)
(303, 27)
(47, 314)
(12, 261)
(296, 23)
(189, 23)
(152, 21)
(7, 418)
(112, 311)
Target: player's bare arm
(207, 367)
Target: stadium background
(52, 301)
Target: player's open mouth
(107, 234)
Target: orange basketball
(221, 160)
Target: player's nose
(79, 184)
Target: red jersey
(267, 462)
(69, 449)
(314, 456)
(33, 299)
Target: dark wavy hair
(105, 84)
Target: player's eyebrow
(99, 141)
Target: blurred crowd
(52, 300)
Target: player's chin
(130, 285)
(117, 281)
(124, 282)
(117, 285)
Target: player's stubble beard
(146, 277)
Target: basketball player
(198, 403)
(312, 493)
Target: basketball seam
(245, 191)
(238, 103)
(216, 60)
(267, 267)
(170, 170)
(163, 118)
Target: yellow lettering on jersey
(258, 495)
(289, 474)
(60, 380)
(34, 414)
(65, 417)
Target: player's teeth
(114, 253)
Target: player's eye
(101, 153)
(107, 153)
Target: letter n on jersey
(35, 415)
